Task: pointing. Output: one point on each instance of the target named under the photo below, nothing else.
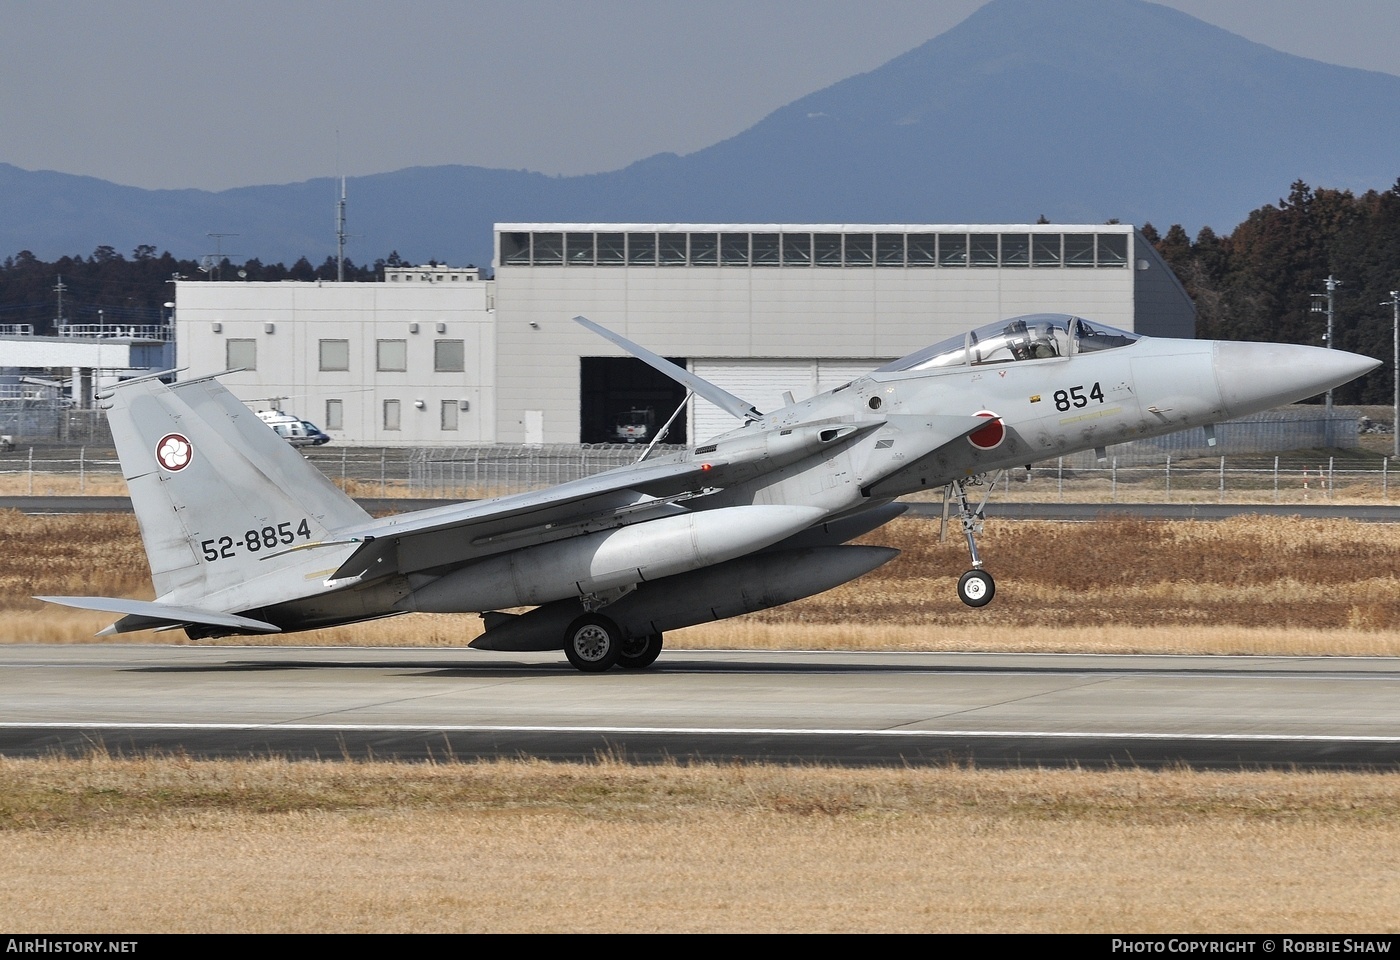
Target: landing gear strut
(976, 587)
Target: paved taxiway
(780, 707)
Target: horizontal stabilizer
(149, 615)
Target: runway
(842, 708)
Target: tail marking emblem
(174, 452)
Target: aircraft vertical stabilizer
(210, 481)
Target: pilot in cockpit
(1030, 344)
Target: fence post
(1169, 478)
(1060, 473)
(1275, 479)
(31, 471)
(82, 470)
(1330, 463)
(1222, 480)
(1385, 477)
(1113, 481)
(382, 490)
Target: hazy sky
(155, 93)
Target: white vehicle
(296, 431)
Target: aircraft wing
(149, 615)
(701, 387)
(444, 537)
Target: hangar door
(622, 400)
(762, 383)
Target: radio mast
(340, 235)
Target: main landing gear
(594, 643)
(976, 587)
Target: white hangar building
(437, 355)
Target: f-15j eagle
(244, 536)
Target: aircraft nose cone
(1258, 376)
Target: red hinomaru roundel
(990, 436)
(174, 452)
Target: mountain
(1077, 110)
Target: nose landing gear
(976, 587)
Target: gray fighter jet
(244, 536)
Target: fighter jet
(245, 536)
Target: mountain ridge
(1079, 111)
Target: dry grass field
(171, 844)
(268, 846)
(1253, 585)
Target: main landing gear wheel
(639, 652)
(976, 588)
(593, 643)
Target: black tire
(638, 653)
(976, 588)
(593, 643)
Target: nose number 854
(1076, 397)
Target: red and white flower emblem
(174, 452)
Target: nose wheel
(976, 587)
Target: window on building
(982, 250)
(1045, 250)
(797, 249)
(860, 249)
(515, 249)
(734, 249)
(826, 249)
(579, 247)
(335, 414)
(391, 415)
(1113, 250)
(449, 356)
(335, 355)
(548, 249)
(241, 354)
(923, 249)
(952, 249)
(1079, 249)
(704, 249)
(765, 250)
(449, 414)
(1015, 250)
(641, 249)
(612, 249)
(392, 356)
(889, 249)
(670, 248)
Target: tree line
(112, 289)
(1261, 281)
(1256, 283)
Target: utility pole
(1326, 301)
(213, 263)
(58, 289)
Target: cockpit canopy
(1036, 336)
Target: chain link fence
(76, 458)
(495, 471)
